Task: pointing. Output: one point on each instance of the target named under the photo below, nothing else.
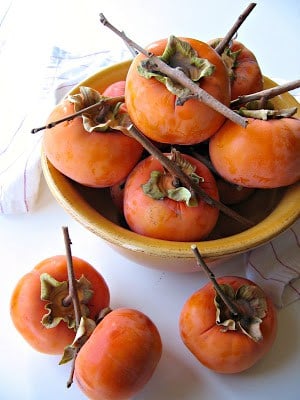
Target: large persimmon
(220, 341)
(153, 107)
(155, 204)
(93, 154)
(28, 310)
(265, 154)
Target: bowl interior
(273, 210)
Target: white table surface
(272, 32)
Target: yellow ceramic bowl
(274, 210)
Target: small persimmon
(28, 309)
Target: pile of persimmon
(115, 352)
(96, 148)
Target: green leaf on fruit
(178, 54)
(105, 117)
(163, 185)
(55, 293)
(251, 303)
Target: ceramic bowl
(272, 210)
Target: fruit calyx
(250, 301)
(266, 114)
(58, 309)
(181, 55)
(104, 118)
(164, 185)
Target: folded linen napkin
(275, 266)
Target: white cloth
(275, 266)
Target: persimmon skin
(120, 356)
(168, 219)
(247, 77)
(265, 154)
(223, 352)
(114, 90)
(152, 107)
(96, 159)
(27, 308)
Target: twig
(73, 294)
(174, 169)
(108, 100)
(224, 42)
(211, 276)
(156, 64)
(266, 94)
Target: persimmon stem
(266, 93)
(73, 294)
(175, 170)
(108, 100)
(232, 32)
(154, 63)
(200, 261)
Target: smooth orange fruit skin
(265, 154)
(120, 356)
(168, 219)
(224, 352)
(96, 159)
(27, 308)
(152, 107)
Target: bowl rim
(66, 195)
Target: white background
(30, 29)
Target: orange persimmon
(119, 357)
(96, 158)
(27, 308)
(163, 217)
(220, 347)
(153, 108)
(265, 154)
(243, 68)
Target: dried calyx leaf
(178, 54)
(84, 331)
(163, 184)
(266, 114)
(55, 293)
(252, 306)
(229, 58)
(99, 119)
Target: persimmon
(153, 108)
(114, 90)
(232, 194)
(93, 154)
(119, 357)
(265, 154)
(243, 68)
(27, 309)
(155, 204)
(220, 341)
